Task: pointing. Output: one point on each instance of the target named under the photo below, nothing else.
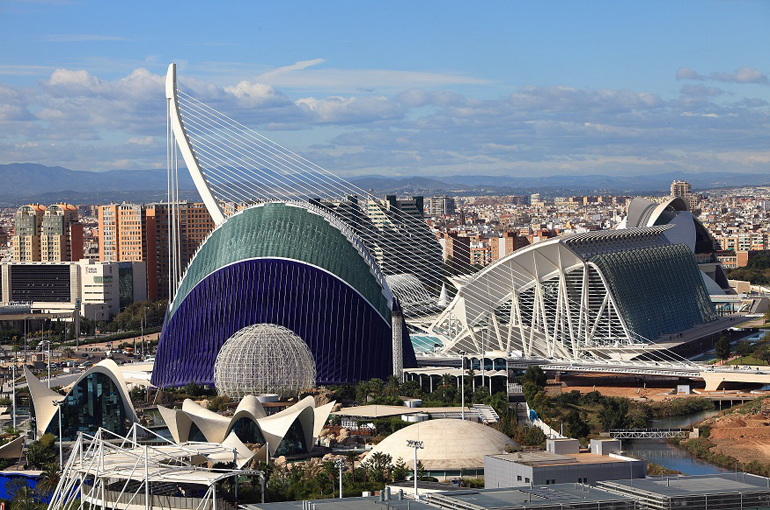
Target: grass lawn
(747, 360)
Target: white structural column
(398, 350)
(184, 147)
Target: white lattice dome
(264, 358)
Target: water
(660, 452)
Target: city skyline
(433, 89)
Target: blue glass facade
(93, 402)
(349, 339)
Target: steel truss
(114, 471)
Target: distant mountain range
(558, 184)
(29, 182)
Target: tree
(400, 471)
(763, 353)
(722, 348)
(378, 464)
(743, 349)
(41, 452)
(535, 375)
(49, 479)
(23, 497)
(422, 473)
(575, 426)
(614, 413)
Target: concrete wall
(504, 473)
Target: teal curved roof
(294, 231)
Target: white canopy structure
(111, 471)
(250, 423)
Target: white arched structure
(182, 140)
(584, 295)
(219, 429)
(44, 399)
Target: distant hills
(29, 182)
(558, 184)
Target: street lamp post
(60, 405)
(417, 445)
(13, 390)
(462, 384)
(340, 464)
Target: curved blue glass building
(291, 264)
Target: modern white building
(601, 295)
(291, 431)
(99, 289)
(555, 466)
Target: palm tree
(48, 479)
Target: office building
(680, 188)
(98, 289)
(61, 236)
(507, 243)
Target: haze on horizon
(404, 88)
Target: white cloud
(253, 95)
(743, 75)
(336, 109)
(146, 140)
(83, 121)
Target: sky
(398, 88)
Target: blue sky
(398, 88)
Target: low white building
(562, 463)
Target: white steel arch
(183, 142)
(544, 301)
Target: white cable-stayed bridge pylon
(233, 166)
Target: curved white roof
(449, 444)
(43, 398)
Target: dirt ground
(744, 437)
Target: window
(526, 480)
(518, 478)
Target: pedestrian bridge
(649, 433)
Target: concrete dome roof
(449, 444)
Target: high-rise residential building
(61, 236)
(195, 224)
(138, 232)
(680, 189)
(439, 206)
(26, 239)
(127, 234)
(52, 234)
(456, 249)
(507, 243)
(683, 189)
(401, 237)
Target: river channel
(660, 452)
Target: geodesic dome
(264, 358)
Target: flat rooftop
(681, 486)
(553, 496)
(343, 504)
(542, 458)
(378, 411)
